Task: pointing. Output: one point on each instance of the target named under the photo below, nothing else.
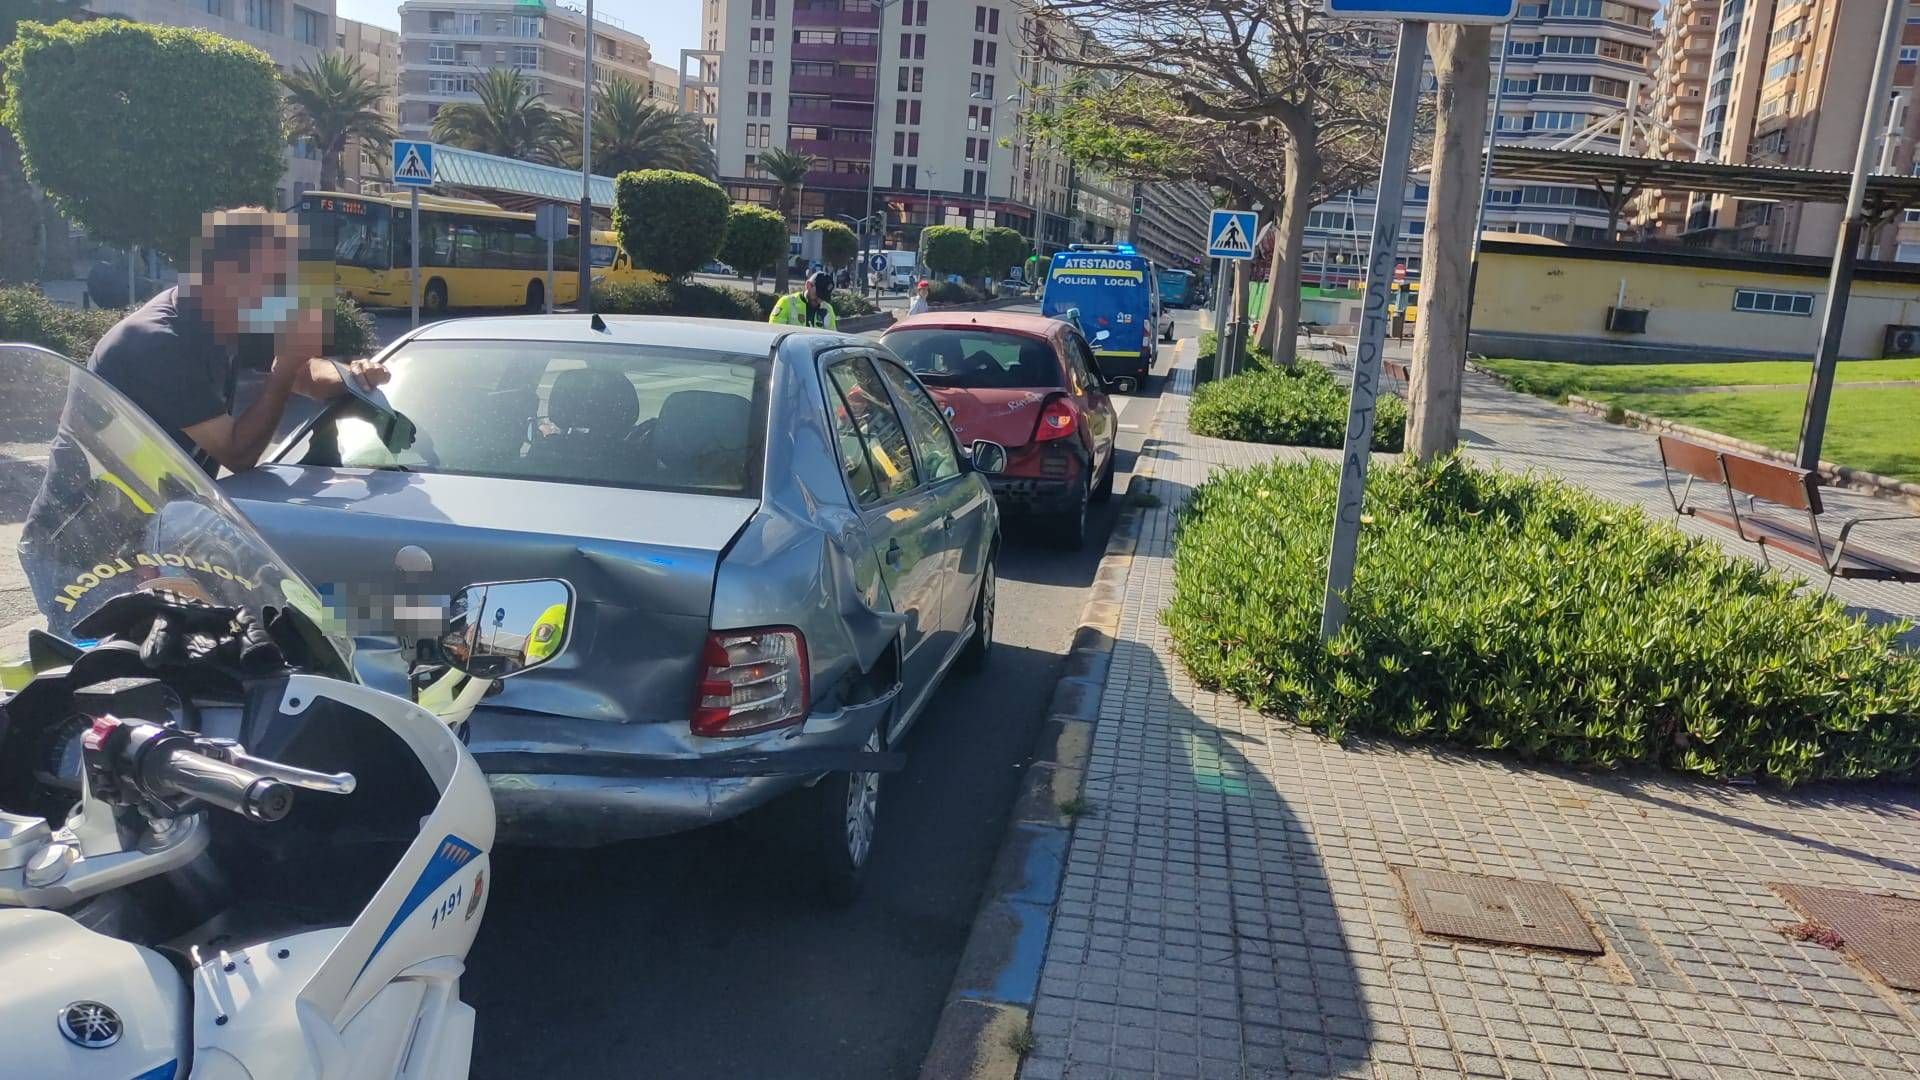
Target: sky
(668, 25)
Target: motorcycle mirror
(987, 457)
(1102, 336)
(502, 628)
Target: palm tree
(631, 132)
(788, 171)
(331, 101)
(510, 120)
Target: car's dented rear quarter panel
(805, 559)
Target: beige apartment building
(1787, 85)
(378, 50)
(1678, 91)
(445, 47)
(663, 84)
(291, 33)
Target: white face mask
(269, 314)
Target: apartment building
(1170, 226)
(444, 48)
(663, 84)
(378, 51)
(1679, 89)
(291, 33)
(1789, 81)
(1570, 64)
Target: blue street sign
(1230, 234)
(1446, 11)
(877, 262)
(412, 163)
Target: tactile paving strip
(1507, 911)
(1882, 932)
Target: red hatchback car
(1028, 383)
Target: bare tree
(1440, 337)
(1277, 69)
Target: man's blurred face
(233, 284)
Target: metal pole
(873, 135)
(1222, 297)
(413, 250)
(549, 293)
(1833, 321)
(986, 206)
(585, 303)
(1391, 195)
(1486, 175)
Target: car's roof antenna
(598, 323)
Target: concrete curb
(1830, 472)
(985, 1028)
(861, 324)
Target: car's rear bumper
(1034, 495)
(578, 795)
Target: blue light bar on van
(1125, 248)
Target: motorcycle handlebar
(180, 771)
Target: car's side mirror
(988, 457)
(503, 628)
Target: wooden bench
(1738, 476)
(1396, 371)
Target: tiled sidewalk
(1229, 908)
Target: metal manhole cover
(1504, 910)
(1882, 932)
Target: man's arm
(237, 442)
(320, 379)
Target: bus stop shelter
(513, 184)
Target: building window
(450, 84)
(1557, 121)
(440, 52)
(1769, 302)
(906, 112)
(1523, 48)
(1560, 45)
(309, 27)
(526, 57)
(981, 84)
(526, 26)
(979, 117)
(1910, 54)
(911, 79)
(467, 22)
(264, 15)
(215, 7)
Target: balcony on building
(839, 86)
(848, 116)
(837, 13)
(838, 51)
(843, 149)
(829, 179)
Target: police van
(1113, 294)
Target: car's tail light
(751, 680)
(1057, 421)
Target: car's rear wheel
(1069, 530)
(844, 815)
(1104, 489)
(975, 656)
(536, 297)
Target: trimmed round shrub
(756, 238)
(838, 245)
(1520, 614)
(27, 316)
(950, 249)
(669, 222)
(353, 332)
(1297, 406)
(696, 300)
(1002, 249)
(849, 304)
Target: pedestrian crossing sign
(412, 163)
(1230, 235)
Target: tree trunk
(19, 217)
(1280, 326)
(1440, 336)
(783, 268)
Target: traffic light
(1139, 204)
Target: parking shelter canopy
(1620, 178)
(518, 185)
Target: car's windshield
(977, 359)
(96, 501)
(614, 415)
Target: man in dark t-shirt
(177, 357)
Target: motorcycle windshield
(96, 500)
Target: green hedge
(1206, 353)
(27, 316)
(353, 333)
(669, 222)
(695, 300)
(849, 304)
(954, 292)
(1297, 406)
(1515, 613)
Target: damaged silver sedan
(777, 546)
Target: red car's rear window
(977, 359)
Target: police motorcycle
(221, 855)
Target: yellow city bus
(472, 254)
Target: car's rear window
(615, 415)
(976, 359)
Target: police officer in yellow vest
(809, 306)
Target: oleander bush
(954, 292)
(1516, 613)
(1298, 406)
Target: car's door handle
(893, 553)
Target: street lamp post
(873, 129)
(927, 224)
(585, 247)
(986, 194)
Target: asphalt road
(695, 955)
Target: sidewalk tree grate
(1882, 932)
(1505, 911)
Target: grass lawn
(1556, 381)
(1867, 428)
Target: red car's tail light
(751, 680)
(1057, 421)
